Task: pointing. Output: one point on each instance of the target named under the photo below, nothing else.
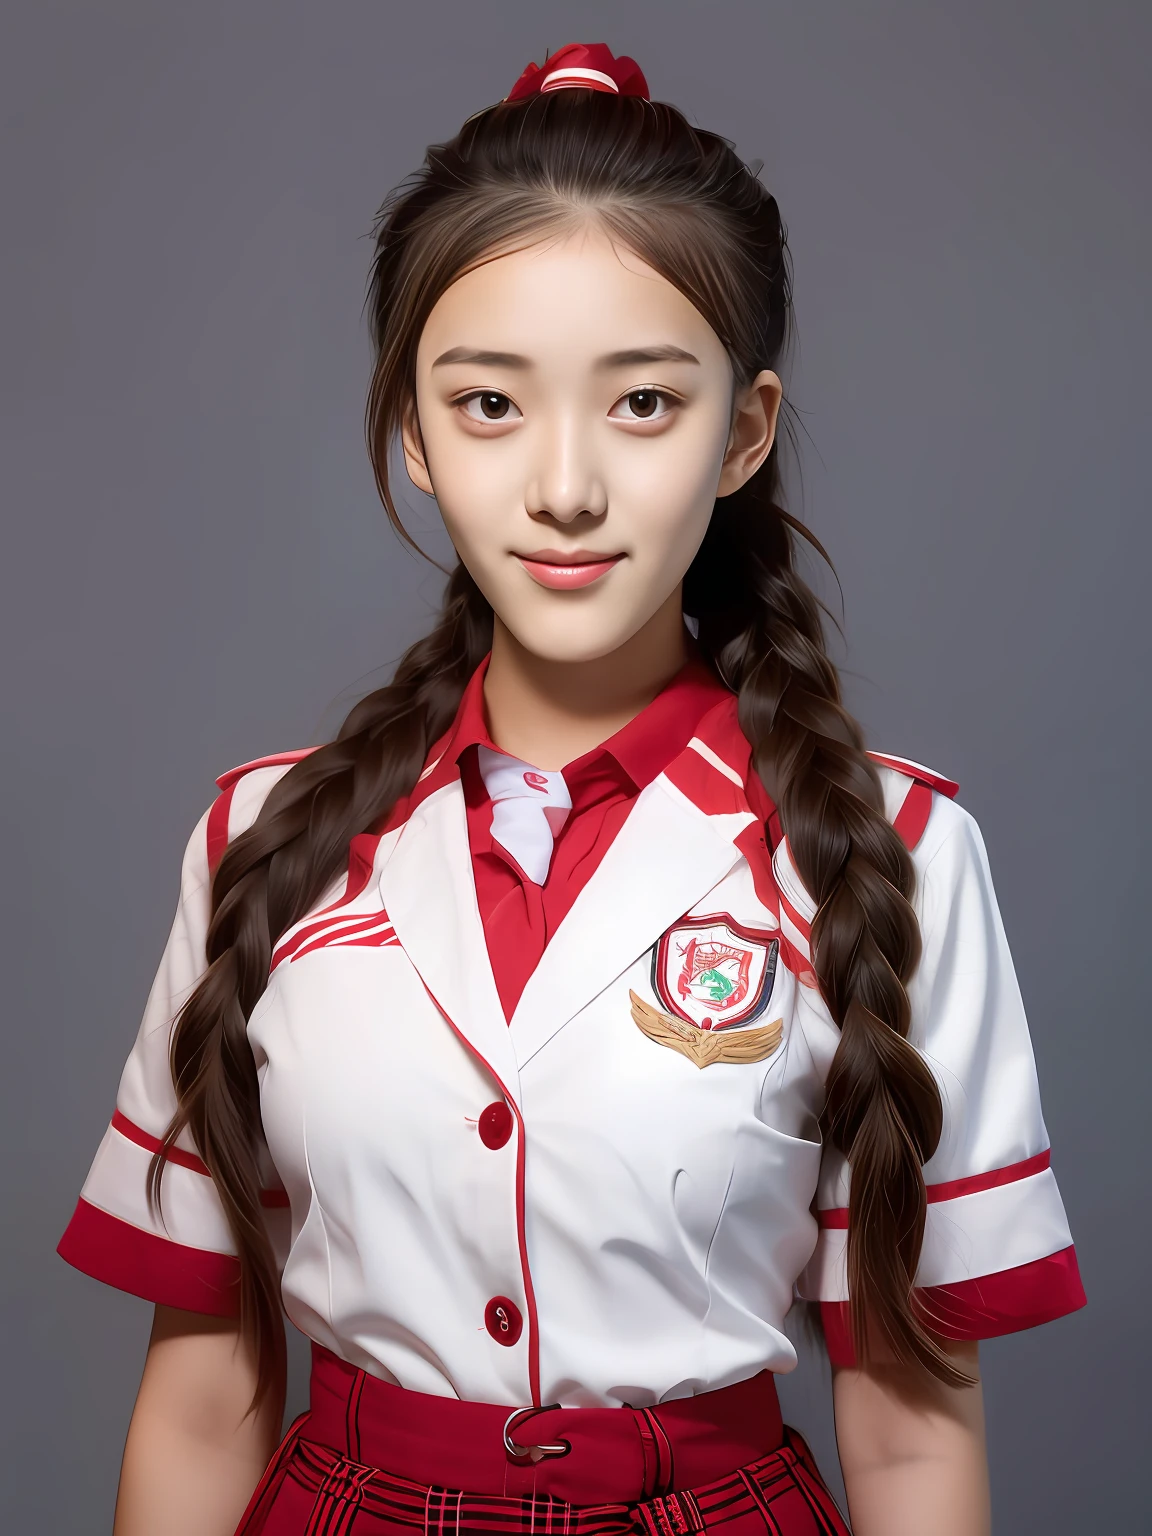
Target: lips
(565, 572)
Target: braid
(685, 202)
(267, 880)
(883, 1109)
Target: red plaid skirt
(721, 1459)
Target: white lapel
(667, 855)
(429, 893)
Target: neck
(548, 713)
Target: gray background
(195, 570)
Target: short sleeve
(997, 1254)
(179, 1254)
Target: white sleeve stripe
(965, 1238)
(956, 1189)
(190, 1211)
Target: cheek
(670, 492)
(473, 482)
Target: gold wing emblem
(705, 1046)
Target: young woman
(594, 993)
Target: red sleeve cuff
(984, 1308)
(159, 1270)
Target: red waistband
(616, 1455)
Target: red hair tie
(587, 66)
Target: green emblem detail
(719, 987)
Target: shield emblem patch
(714, 973)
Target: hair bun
(584, 66)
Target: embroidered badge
(713, 973)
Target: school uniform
(540, 1083)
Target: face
(576, 419)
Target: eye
(643, 405)
(488, 405)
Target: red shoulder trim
(222, 805)
(918, 772)
(226, 780)
(712, 768)
(719, 728)
(912, 817)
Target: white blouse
(610, 1199)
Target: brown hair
(685, 202)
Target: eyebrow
(633, 357)
(484, 359)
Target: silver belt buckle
(531, 1453)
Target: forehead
(579, 294)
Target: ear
(753, 431)
(413, 444)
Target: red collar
(642, 749)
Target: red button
(495, 1124)
(502, 1320)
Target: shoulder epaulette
(217, 832)
(917, 771)
(276, 760)
(912, 817)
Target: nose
(566, 481)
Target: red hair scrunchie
(586, 66)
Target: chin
(571, 638)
